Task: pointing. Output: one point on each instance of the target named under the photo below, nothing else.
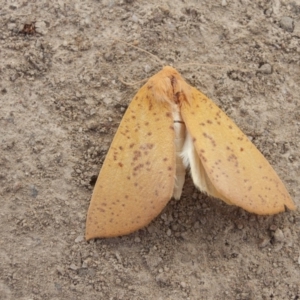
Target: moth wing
(137, 178)
(226, 164)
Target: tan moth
(169, 127)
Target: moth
(169, 127)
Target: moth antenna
(132, 83)
(215, 66)
(142, 50)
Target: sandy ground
(61, 103)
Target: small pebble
(84, 265)
(265, 69)
(191, 249)
(161, 278)
(185, 259)
(278, 235)
(287, 24)
(240, 226)
(33, 191)
(203, 220)
(196, 225)
(41, 27)
(60, 270)
(73, 267)
(108, 57)
(268, 12)
(134, 18)
(195, 196)
(264, 242)
(147, 68)
(79, 239)
(11, 26)
(107, 101)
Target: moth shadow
(199, 214)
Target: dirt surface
(61, 103)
